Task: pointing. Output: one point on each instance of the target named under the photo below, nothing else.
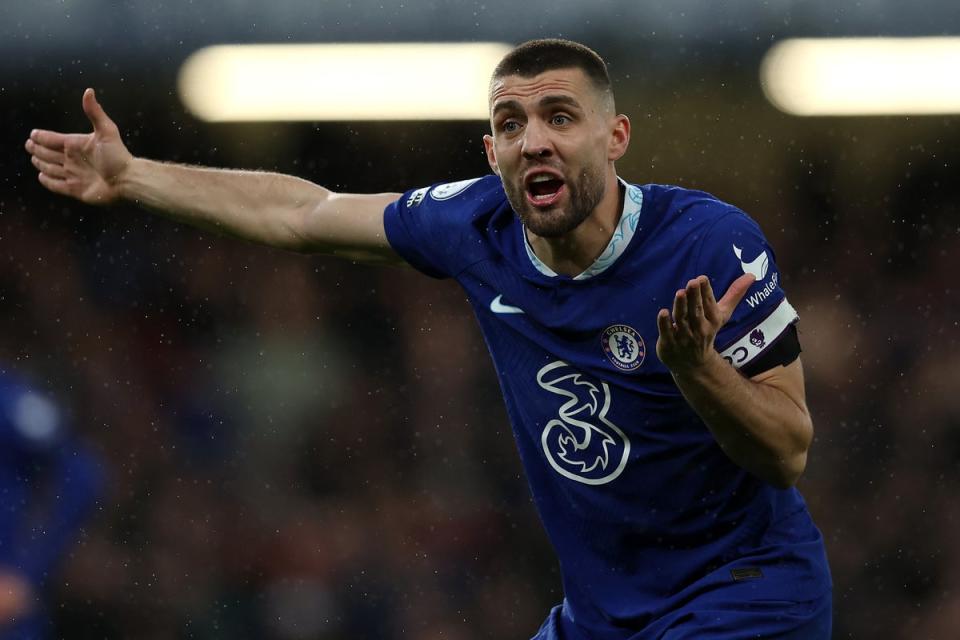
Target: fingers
(54, 184)
(710, 310)
(689, 308)
(695, 305)
(49, 139)
(734, 295)
(95, 113)
(665, 325)
(48, 161)
(49, 168)
(680, 311)
(44, 153)
(687, 335)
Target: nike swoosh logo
(497, 306)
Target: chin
(552, 223)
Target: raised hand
(86, 166)
(686, 339)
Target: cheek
(505, 156)
(602, 144)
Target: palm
(687, 334)
(92, 164)
(85, 166)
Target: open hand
(86, 166)
(686, 338)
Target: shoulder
(463, 196)
(690, 208)
(428, 227)
(686, 223)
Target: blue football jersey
(644, 509)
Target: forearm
(258, 206)
(271, 208)
(758, 426)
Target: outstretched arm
(271, 208)
(762, 423)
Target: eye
(559, 120)
(510, 126)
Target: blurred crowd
(880, 327)
(297, 447)
(294, 447)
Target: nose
(536, 140)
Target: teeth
(542, 178)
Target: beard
(584, 194)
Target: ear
(619, 137)
(491, 156)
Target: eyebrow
(546, 101)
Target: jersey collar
(629, 217)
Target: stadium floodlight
(863, 76)
(395, 81)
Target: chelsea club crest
(623, 346)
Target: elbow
(292, 232)
(788, 472)
(792, 464)
(299, 226)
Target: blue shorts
(718, 620)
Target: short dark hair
(536, 56)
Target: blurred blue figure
(49, 484)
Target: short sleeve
(735, 245)
(426, 226)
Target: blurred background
(298, 447)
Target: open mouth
(544, 189)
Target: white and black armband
(773, 342)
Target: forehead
(556, 82)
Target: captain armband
(781, 353)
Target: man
(664, 479)
(49, 483)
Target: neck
(573, 253)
